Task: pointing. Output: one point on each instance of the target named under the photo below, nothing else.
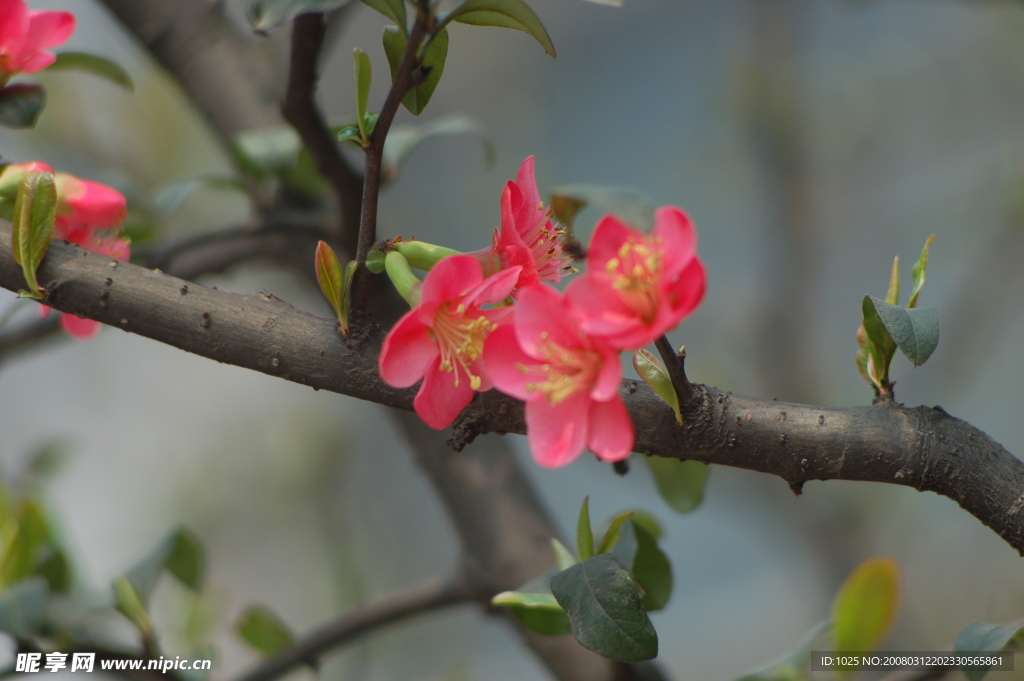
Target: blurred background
(811, 142)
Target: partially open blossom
(527, 238)
(441, 340)
(25, 37)
(638, 286)
(84, 206)
(568, 379)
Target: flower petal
(439, 400)
(678, 238)
(449, 278)
(505, 363)
(609, 235)
(494, 288)
(557, 432)
(526, 181)
(48, 29)
(610, 434)
(407, 352)
(541, 315)
(599, 306)
(14, 22)
(608, 380)
(83, 329)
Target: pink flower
(441, 340)
(569, 380)
(527, 238)
(84, 206)
(25, 36)
(638, 286)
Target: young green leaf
(330, 277)
(363, 77)
(605, 612)
(22, 546)
(261, 628)
(395, 42)
(915, 332)
(892, 296)
(611, 535)
(504, 14)
(21, 104)
(54, 568)
(654, 374)
(563, 556)
(651, 569)
(268, 151)
(392, 9)
(985, 638)
(584, 532)
(535, 606)
(128, 600)
(680, 483)
(918, 271)
(185, 559)
(96, 65)
(375, 261)
(266, 14)
(35, 210)
(865, 605)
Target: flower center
(460, 339)
(566, 372)
(636, 272)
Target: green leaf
(395, 42)
(793, 665)
(985, 638)
(605, 611)
(632, 207)
(535, 606)
(504, 14)
(185, 560)
(128, 600)
(651, 569)
(266, 14)
(350, 133)
(865, 606)
(918, 271)
(680, 483)
(268, 151)
(375, 261)
(35, 210)
(563, 556)
(171, 198)
(330, 276)
(892, 296)
(915, 332)
(654, 374)
(392, 9)
(584, 532)
(21, 104)
(880, 345)
(96, 65)
(22, 548)
(54, 568)
(363, 78)
(611, 535)
(23, 607)
(261, 628)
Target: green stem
(406, 283)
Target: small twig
(674, 364)
(407, 77)
(420, 599)
(299, 108)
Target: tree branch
(299, 108)
(367, 618)
(924, 448)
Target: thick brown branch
(367, 618)
(923, 447)
(300, 109)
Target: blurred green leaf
(363, 77)
(632, 207)
(563, 556)
(611, 535)
(584, 532)
(392, 9)
(268, 151)
(21, 104)
(395, 42)
(171, 198)
(96, 65)
(917, 273)
(35, 210)
(535, 606)
(185, 560)
(23, 547)
(403, 140)
(54, 568)
(503, 14)
(985, 638)
(266, 14)
(654, 374)
(637, 550)
(915, 332)
(605, 611)
(680, 483)
(892, 295)
(261, 628)
(128, 600)
(23, 607)
(865, 606)
(793, 665)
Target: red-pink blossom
(568, 379)
(638, 286)
(25, 37)
(441, 340)
(527, 237)
(83, 207)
